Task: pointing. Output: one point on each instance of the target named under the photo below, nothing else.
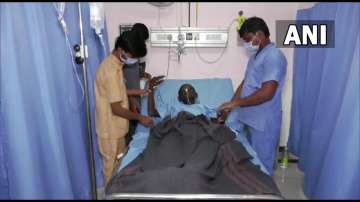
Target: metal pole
(88, 120)
(189, 14)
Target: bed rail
(151, 196)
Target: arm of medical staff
(151, 105)
(118, 110)
(264, 94)
(134, 104)
(223, 114)
(238, 91)
(136, 92)
(152, 111)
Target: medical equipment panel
(189, 37)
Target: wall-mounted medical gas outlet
(189, 36)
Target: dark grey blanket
(192, 155)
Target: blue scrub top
(269, 64)
(175, 107)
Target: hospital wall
(210, 14)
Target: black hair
(187, 94)
(131, 43)
(253, 25)
(142, 30)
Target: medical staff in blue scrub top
(255, 109)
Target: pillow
(212, 92)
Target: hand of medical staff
(147, 75)
(134, 105)
(144, 92)
(146, 121)
(227, 106)
(155, 82)
(222, 116)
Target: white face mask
(251, 48)
(130, 61)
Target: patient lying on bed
(187, 153)
(187, 101)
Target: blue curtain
(43, 138)
(324, 130)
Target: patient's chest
(195, 109)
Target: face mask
(251, 48)
(130, 61)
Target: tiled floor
(290, 181)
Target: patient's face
(187, 94)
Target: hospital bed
(211, 92)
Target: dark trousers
(132, 128)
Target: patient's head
(187, 94)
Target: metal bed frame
(140, 196)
